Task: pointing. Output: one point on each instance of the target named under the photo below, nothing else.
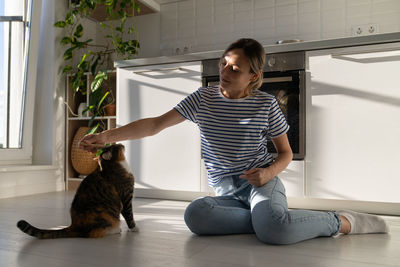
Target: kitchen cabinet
(353, 125)
(169, 160)
(293, 179)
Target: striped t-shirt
(234, 132)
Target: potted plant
(82, 55)
(110, 109)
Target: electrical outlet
(365, 29)
(187, 49)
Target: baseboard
(22, 182)
(169, 194)
(383, 208)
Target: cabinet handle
(370, 51)
(162, 69)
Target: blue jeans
(241, 208)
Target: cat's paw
(134, 229)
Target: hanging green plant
(120, 40)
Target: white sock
(363, 223)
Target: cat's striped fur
(98, 202)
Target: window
(13, 32)
(18, 59)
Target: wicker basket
(82, 161)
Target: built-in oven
(284, 77)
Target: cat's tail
(27, 228)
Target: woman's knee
(196, 215)
(270, 227)
(274, 234)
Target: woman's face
(234, 74)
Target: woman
(235, 121)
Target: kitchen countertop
(269, 49)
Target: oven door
(288, 89)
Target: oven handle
(265, 80)
(153, 70)
(278, 79)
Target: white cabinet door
(353, 123)
(171, 159)
(293, 178)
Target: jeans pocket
(224, 187)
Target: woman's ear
(107, 155)
(254, 77)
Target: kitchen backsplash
(203, 25)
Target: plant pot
(110, 109)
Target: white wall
(47, 172)
(148, 27)
(203, 25)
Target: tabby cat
(99, 200)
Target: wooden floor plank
(164, 240)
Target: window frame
(23, 155)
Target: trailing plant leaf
(68, 53)
(75, 12)
(77, 83)
(94, 65)
(80, 45)
(99, 151)
(91, 122)
(109, 2)
(98, 80)
(79, 31)
(82, 60)
(66, 40)
(99, 105)
(60, 24)
(94, 129)
(87, 109)
(69, 18)
(67, 69)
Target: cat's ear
(107, 155)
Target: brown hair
(255, 53)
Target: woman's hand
(261, 176)
(91, 142)
(258, 176)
